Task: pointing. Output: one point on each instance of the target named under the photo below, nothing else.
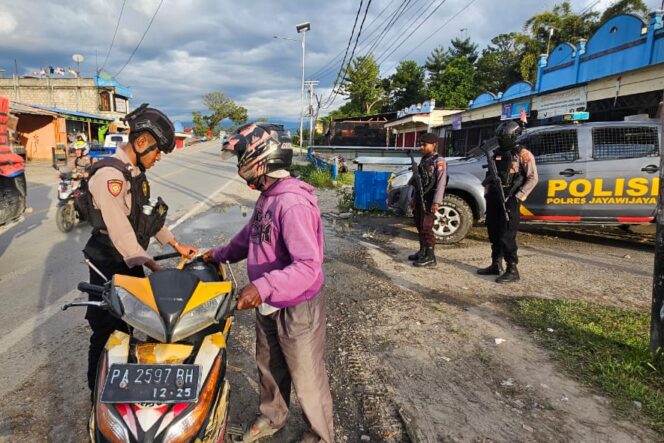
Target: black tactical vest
(503, 160)
(145, 226)
(428, 174)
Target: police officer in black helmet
(518, 176)
(124, 217)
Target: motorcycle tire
(65, 218)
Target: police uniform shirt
(111, 194)
(436, 167)
(523, 162)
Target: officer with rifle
(429, 180)
(511, 176)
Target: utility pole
(657, 318)
(302, 28)
(310, 85)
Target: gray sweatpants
(290, 348)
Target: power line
(357, 38)
(117, 25)
(141, 40)
(331, 62)
(408, 36)
(439, 28)
(396, 17)
(350, 40)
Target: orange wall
(38, 135)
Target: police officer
(518, 176)
(124, 218)
(432, 171)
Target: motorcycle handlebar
(90, 289)
(166, 256)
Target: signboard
(418, 108)
(561, 103)
(456, 122)
(512, 111)
(120, 105)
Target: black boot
(496, 268)
(511, 274)
(418, 254)
(428, 259)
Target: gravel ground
(412, 353)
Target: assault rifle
(487, 147)
(417, 180)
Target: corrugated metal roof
(20, 108)
(66, 112)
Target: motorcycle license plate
(138, 383)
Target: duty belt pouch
(150, 224)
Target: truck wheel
(65, 218)
(453, 220)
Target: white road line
(28, 326)
(209, 200)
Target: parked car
(590, 173)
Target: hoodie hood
(292, 185)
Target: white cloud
(8, 22)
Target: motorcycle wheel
(65, 218)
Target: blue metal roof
(68, 112)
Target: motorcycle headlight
(197, 319)
(140, 316)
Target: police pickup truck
(590, 173)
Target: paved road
(39, 265)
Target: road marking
(27, 327)
(207, 201)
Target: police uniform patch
(440, 166)
(114, 187)
(145, 188)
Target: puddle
(220, 220)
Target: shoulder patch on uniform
(440, 165)
(525, 155)
(114, 187)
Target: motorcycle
(69, 188)
(165, 380)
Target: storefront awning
(409, 120)
(70, 115)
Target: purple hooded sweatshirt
(283, 244)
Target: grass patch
(346, 199)
(319, 178)
(606, 346)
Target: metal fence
(626, 142)
(553, 146)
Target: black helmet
(144, 119)
(507, 134)
(260, 148)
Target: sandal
(260, 428)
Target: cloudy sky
(198, 46)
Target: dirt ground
(412, 353)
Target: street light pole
(302, 28)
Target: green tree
(362, 85)
(456, 84)
(406, 86)
(463, 48)
(567, 26)
(498, 67)
(636, 7)
(221, 108)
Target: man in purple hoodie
(283, 246)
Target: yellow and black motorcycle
(165, 380)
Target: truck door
(562, 187)
(624, 172)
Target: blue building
(617, 73)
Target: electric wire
(438, 29)
(368, 37)
(350, 40)
(141, 40)
(338, 56)
(117, 25)
(357, 38)
(383, 57)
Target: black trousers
(424, 223)
(502, 234)
(108, 260)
